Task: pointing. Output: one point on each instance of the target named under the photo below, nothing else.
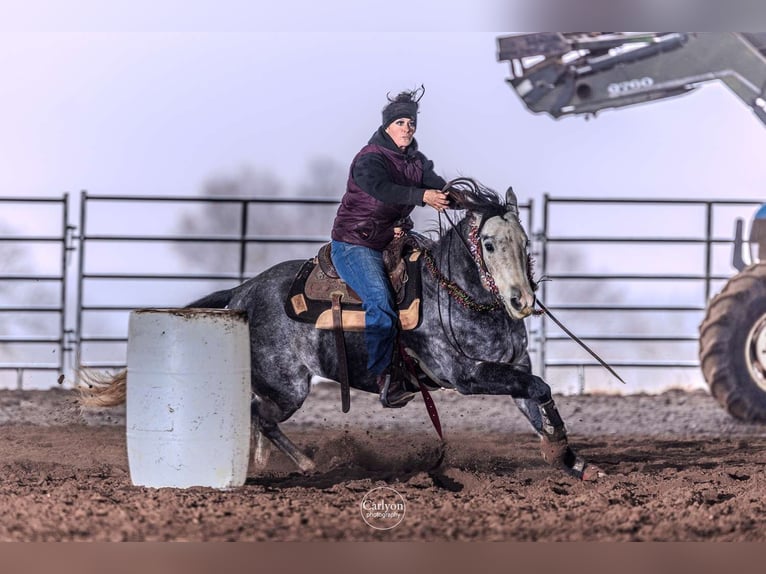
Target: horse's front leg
(533, 397)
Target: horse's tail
(101, 389)
(109, 390)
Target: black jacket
(384, 186)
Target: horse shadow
(347, 460)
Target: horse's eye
(489, 247)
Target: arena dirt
(679, 469)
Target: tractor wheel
(732, 345)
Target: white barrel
(188, 398)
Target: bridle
(458, 294)
(455, 292)
(474, 246)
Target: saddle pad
(314, 305)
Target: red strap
(433, 414)
(431, 408)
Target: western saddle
(318, 295)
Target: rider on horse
(387, 179)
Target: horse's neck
(455, 261)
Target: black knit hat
(404, 105)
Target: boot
(393, 393)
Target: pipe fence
(34, 338)
(631, 277)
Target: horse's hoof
(585, 471)
(558, 454)
(307, 466)
(592, 473)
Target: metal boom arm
(581, 74)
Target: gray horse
(476, 290)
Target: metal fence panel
(631, 277)
(33, 289)
(151, 277)
(263, 232)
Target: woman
(387, 179)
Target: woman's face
(401, 131)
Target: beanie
(404, 105)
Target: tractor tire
(732, 345)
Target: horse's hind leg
(276, 436)
(260, 447)
(264, 428)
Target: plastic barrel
(188, 398)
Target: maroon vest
(364, 220)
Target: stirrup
(398, 400)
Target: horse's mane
(464, 194)
(470, 195)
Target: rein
(577, 340)
(457, 293)
(462, 297)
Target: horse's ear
(511, 202)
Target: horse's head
(500, 247)
(505, 251)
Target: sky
(162, 112)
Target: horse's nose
(522, 301)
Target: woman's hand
(436, 199)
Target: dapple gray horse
(477, 289)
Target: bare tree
(11, 258)
(14, 261)
(325, 178)
(222, 219)
(267, 222)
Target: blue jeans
(362, 268)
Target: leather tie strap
(433, 414)
(340, 344)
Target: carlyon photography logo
(383, 508)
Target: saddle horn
(511, 201)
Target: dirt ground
(679, 469)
